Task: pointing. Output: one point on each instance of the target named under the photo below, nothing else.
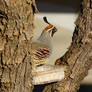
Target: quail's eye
(54, 29)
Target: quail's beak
(53, 31)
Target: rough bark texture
(79, 55)
(16, 25)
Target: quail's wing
(40, 53)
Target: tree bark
(16, 25)
(79, 55)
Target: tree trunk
(79, 55)
(16, 25)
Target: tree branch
(48, 73)
(79, 55)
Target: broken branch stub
(48, 73)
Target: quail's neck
(46, 39)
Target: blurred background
(62, 14)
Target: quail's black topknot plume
(45, 20)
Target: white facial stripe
(50, 28)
